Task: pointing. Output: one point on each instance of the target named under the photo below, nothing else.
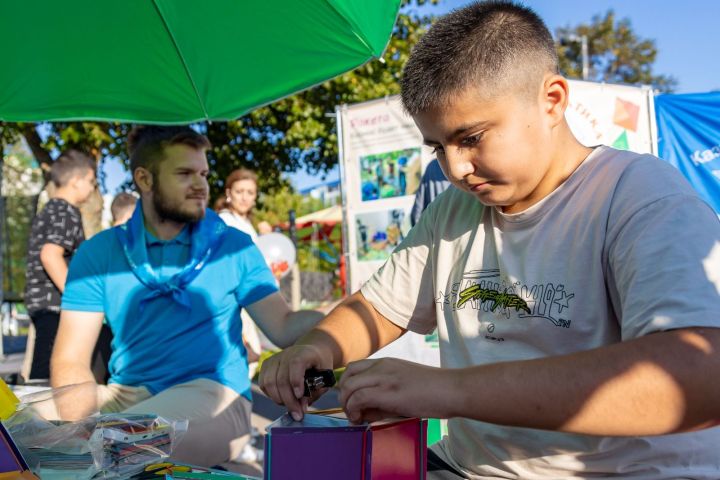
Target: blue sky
(686, 32)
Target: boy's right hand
(282, 377)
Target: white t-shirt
(241, 223)
(623, 248)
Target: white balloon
(279, 252)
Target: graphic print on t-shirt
(486, 290)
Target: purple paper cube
(325, 447)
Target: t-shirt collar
(182, 238)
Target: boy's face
(180, 189)
(496, 148)
(84, 186)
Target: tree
(275, 207)
(22, 181)
(617, 53)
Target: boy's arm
(71, 362)
(53, 261)
(657, 384)
(353, 330)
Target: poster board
(382, 160)
(619, 116)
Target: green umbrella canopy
(177, 61)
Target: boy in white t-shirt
(575, 290)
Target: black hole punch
(317, 379)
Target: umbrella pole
(295, 269)
(2, 244)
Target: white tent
(327, 216)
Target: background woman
(240, 196)
(236, 211)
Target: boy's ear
(556, 97)
(73, 181)
(143, 179)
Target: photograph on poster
(390, 174)
(378, 233)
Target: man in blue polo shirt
(171, 283)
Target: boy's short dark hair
(122, 203)
(146, 144)
(71, 163)
(496, 46)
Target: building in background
(327, 192)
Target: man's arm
(71, 362)
(281, 324)
(353, 330)
(53, 261)
(658, 384)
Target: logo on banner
(626, 117)
(706, 156)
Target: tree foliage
(275, 207)
(617, 54)
(21, 183)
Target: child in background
(56, 233)
(122, 208)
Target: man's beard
(166, 210)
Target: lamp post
(2, 244)
(2, 228)
(584, 55)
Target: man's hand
(371, 390)
(350, 332)
(282, 376)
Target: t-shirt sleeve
(256, 280)
(402, 289)
(665, 267)
(85, 286)
(63, 229)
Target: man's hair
(70, 164)
(146, 144)
(122, 203)
(495, 46)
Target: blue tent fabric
(689, 138)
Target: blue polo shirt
(162, 343)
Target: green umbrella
(177, 61)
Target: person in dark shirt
(432, 184)
(56, 233)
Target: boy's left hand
(371, 390)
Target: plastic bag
(113, 445)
